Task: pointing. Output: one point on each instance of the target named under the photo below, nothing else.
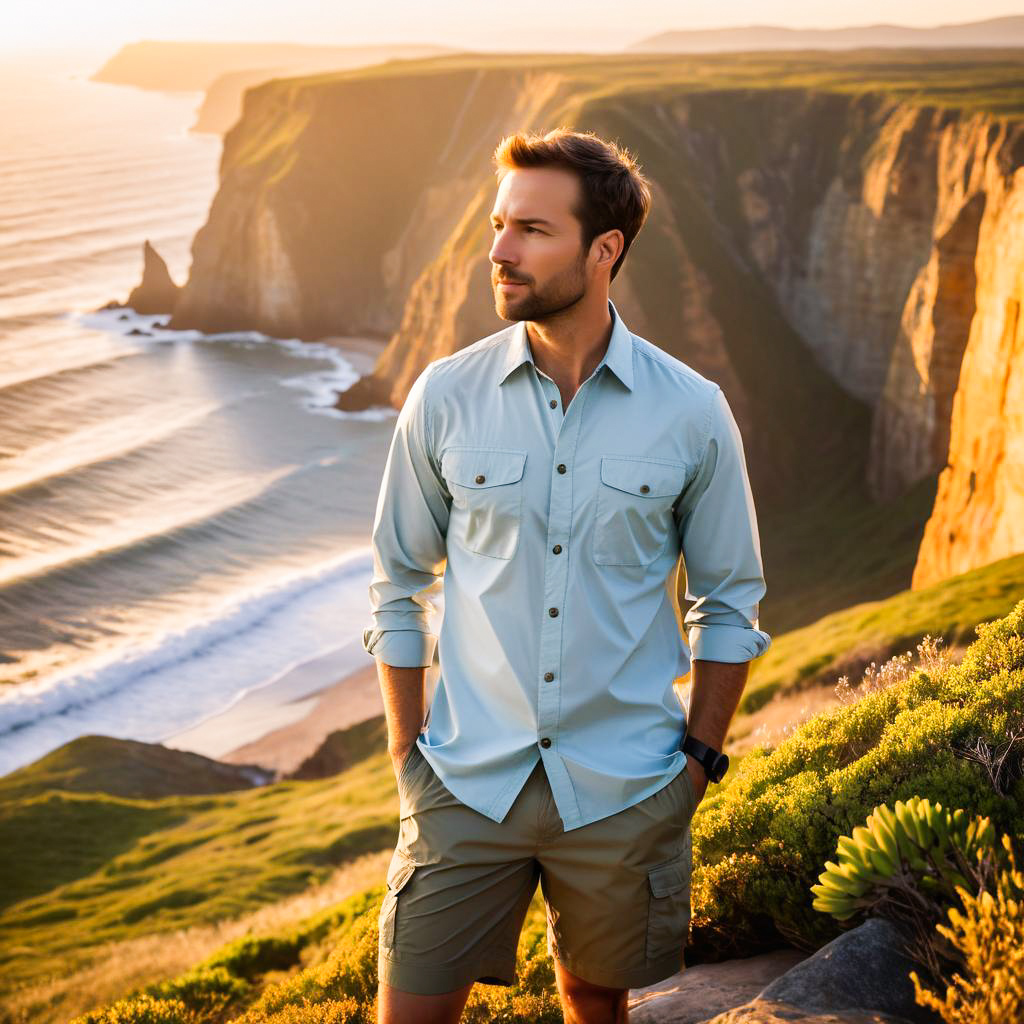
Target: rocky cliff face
(847, 266)
(905, 279)
(979, 508)
(337, 193)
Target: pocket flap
(399, 871)
(643, 477)
(666, 879)
(483, 467)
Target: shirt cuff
(721, 642)
(400, 648)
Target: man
(554, 472)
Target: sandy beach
(277, 726)
(353, 698)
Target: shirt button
(643, 488)
(552, 612)
(554, 403)
(548, 676)
(479, 478)
(545, 742)
(557, 549)
(561, 467)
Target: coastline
(281, 724)
(352, 699)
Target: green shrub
(140, 1010)
(251, 955)
(760, 844)
(208, 991)
(349, 973)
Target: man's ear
(609, 245)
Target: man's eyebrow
(525, 220)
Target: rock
(979, 501)
(366, 392)
(705, 989)
(863, 971)
(763, 1011)
(157, 293)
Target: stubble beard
(558, 295)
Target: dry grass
(931, 657)
(787, 711)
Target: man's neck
(568, 349)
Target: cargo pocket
(668, 919)
(399, 872)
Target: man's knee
(584, 1001)
(397, 1007)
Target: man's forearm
(402, 690)
(714, 697)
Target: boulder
(764, 1011)
(861, 975)
(700, 991)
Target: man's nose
(501, 250)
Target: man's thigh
(459, 886)
(618, 891)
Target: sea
(184, 518)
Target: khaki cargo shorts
(459, 886)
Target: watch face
(720, 767)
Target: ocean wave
(185, 675)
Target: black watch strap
(692, 745)
(713, 761)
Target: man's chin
(511, 310)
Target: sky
(102, 26)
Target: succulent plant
(918, 838)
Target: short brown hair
(614, 192)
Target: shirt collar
(618, 356)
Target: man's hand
(697, 776)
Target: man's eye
(528, 228)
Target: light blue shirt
(555, 532)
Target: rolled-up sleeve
(721, 547)
(408, 540)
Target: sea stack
(157, 292)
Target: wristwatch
(714, 762)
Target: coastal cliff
(845, 263)
(907, 284)
(979, 508)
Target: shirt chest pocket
(486, 485)
(633, 514)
